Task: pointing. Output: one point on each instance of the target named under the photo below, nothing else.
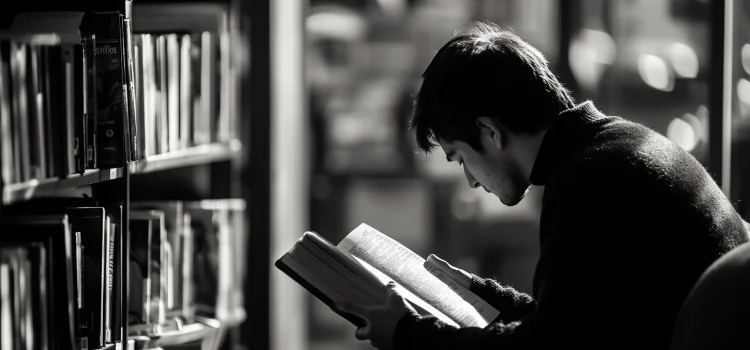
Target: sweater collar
(572, 131)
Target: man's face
(495, 169)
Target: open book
(359, 267)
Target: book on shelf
(357, 269)
(24, 319)
(66, 80)
(54, 297)
(217, 268)
(147, 262)
(94, 239)
(111, 92)
(166, 288)
(115, 269)
(186, 82)
(175, 230)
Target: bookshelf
(58, 167)
(198, 155)
(31, 189)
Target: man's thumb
(460, 276)
(439, 263)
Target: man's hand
(460, 276)
(381, 319)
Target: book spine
(90, 100)
(53, 104)
(162, 118)
(138, 78)
(131, 92)
(110, 279)
(6, 133)
(173, 96)
(21, 123)
(118, 285)
(84, 326)
(80, 118)
(186, 269)
(109, 92)
(70, 147)
(208, 88)
(186, 95)
(79, 271)
(36, 119)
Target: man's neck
(530, 146)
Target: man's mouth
(486, 190)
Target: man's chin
(512, 200)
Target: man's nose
(473, 183)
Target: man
(629, 220)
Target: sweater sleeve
(443, 336)
(573, 308)
(512, 304)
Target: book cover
(89, 224)
(109, 93)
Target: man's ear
(491, 132)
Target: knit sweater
(629, 222)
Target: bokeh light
(684, 60)
(655, 72)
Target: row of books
(61, 264)
(92, 95)
(178, 80)
(186, 262)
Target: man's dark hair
(485, 71)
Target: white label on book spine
(79, 271)
(112, 174)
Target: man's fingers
(362, 333)
(462, 277)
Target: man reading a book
(629, 219)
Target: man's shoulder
(633, 153)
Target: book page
(406, 268)
(407, 294)
(488, 312)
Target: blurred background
(680, 67)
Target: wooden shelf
(49, 187)
(107, 347)
(202, 330)
(198, 155)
